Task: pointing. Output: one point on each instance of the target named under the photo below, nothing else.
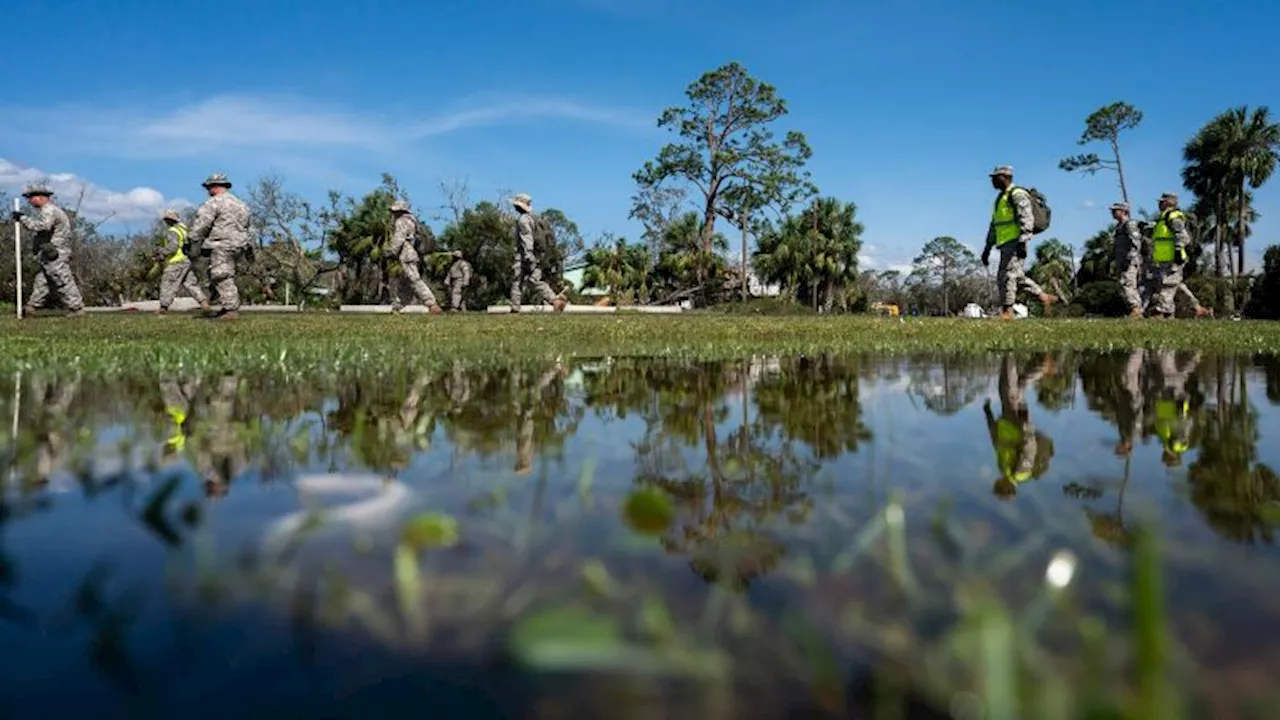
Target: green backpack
(1040, 211)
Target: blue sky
(907, 104)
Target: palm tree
(814, 253)
(1235, 151)
(1055, 261)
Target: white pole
(17, 257)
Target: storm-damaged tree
(288, 234)
(727, 152)
(1105, 125)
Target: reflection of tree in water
(946, 384)
(749, 478)
(1057, 389)
(814, 400)
(1270, 364)
(1236, 497)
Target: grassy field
(332, 342)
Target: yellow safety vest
(178, 439)
(1164, 247)
(1005, 219)
(1169, 415)
(178, 255)
(1009, 439)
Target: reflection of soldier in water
(1130, 410)
(52, 398)
(1022, 452)
(221, 453)
(1171, 415)
(177, 396)
(526, 401)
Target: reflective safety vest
(1009, 440)
(178, 231)
(1170, 416)
(1164, 246)
(1004, 218)
(178, 439)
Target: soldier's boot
(1047, 300)
(559, 303)
(1135, 314)
(1006, 314)
(162, 311)
(76, 313)
(434, 309)
(28, 311)
(205, 306)
(1202, 311)
(230, 315)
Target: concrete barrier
(185, 304)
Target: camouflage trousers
(1011, 277)
(455, 296)
(410, 276)
(525, 267)
(1131, 282)
(1167, 286)
(54, 276)
(222, 273)
(179, 276)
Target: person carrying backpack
(1018, 214)
(1169, 241)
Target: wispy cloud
(250, 122)
(871, 259)
(94, 201)
(1089, 204)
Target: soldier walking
(222, 229)
(459, 279)
(1127, 239)
(177, 273)
(525, 266)
(401, 248)
(1169, 241)
(52, 247)
(1010, 232)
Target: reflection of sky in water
(930, 456)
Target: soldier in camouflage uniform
(1022, 452)
(459, 279)
(177, 274)
(1130, 411)
(1010, 232)
(525, 266)
(1127, 239)
(401, 248)
(222, 230)
(1169, 241)
(1171, 416)
(52, 248)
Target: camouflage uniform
(53, 398)
(52, 248)
(1128, 256)
(177, 397)
(222, 455)
(1129, 413)
(222, 228)
(1011, 276)
(459, 279)
(401, 248)
(178, 274)
(1169, 274)
(525, 265)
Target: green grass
(323, 342)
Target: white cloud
(258, 122)
(97, 203)
(1089, 204)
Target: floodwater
(625, 537)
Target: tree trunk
(1235, 285)
(1226, 301)
(1124, 189)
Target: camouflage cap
(37, 188)
(1170, 196)
(1120, 206)
(399, 206)
(216, 179)
(1006, 170)
(172, 215)
(522, 200)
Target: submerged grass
(327, 342)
